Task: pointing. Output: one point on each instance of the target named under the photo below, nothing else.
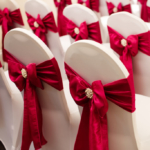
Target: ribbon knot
(132, 41)
(99, 99)
(5, 17)
(32, 76)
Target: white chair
(60, 116)
(11, 112)
(92, 61)
(79, 13)
(11, 5)
(35, 7)
(128, 26)
(104, 10)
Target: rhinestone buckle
(89, 93)
(124, 42)
(115, 9)
(36, 25)
(24, 73)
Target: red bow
(93, 131)
(27, 78)
(7, 20)
(61, 20)
(129, 47)
(145, 11)
(84, 31)
(40, 26)
(92, 4)
(112, 9)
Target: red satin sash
(145, 11)
(137, 42)
(119, 8)
(93, 131)
(48, 72)
(85, 31)
(61, 20)
(7, 20)
(47, 23)
(92, 4)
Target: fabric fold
(61, 19)
(41, 26)
(129, 47)
(28, 78)
(84, 31)
(7, 20)
(114, 9)
(93, 130)
(92, 4)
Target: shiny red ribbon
(145, 11)
(92, 4)
(48, 72)
(7, 20)
(137, 42)
(120, 8)
(85, 31)
(93, 131)
(61, 20)
(45, 24)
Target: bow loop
(27, 79)
(93, 131)
(16, 75)
(84, 31)
(32, 76)
(77, 33)
(113, 9)
(120, 7)
(6, 17)
(41, 26)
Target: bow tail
(144, 12)
(92, 133)
(98, 135)
(5, 29)
(126, 58)
(26, 135)
(34, 121)
(61, 21)
(41, 35)
(82, 140)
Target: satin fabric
(120, 8)
(93, 131)
(47, 72)
(45, 24)
(7, 20)
(92, 4)
(85, 31)
(137, 42)
(61, 20)
(145, 10)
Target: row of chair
(92, 61)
